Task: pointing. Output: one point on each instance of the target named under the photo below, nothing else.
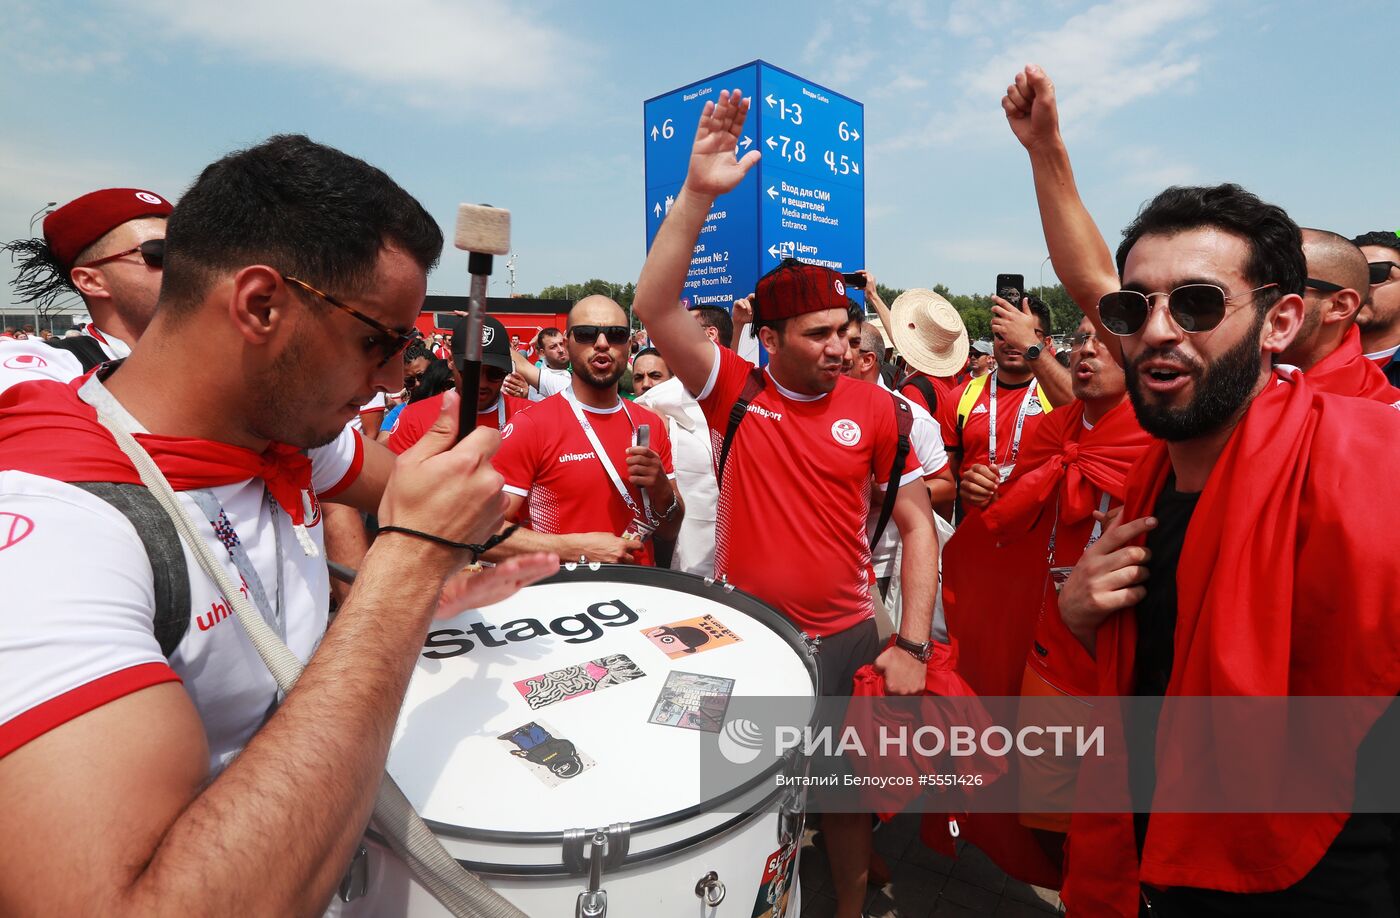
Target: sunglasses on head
(1380, 271)
(152, 252)
(587, 334)
(386, 345)
(1194, 308)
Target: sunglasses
(386, 345)
(1380, 271)
(493, 374)
(1194, 308)
(1079, 339)
(1322, 286)
(152, 252)
(587, 334)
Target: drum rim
(680, 581)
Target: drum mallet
(482, 231)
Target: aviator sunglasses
(1194, 307)
(152, 252)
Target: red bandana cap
(81, 222)
(795, 288)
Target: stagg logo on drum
(581, 628)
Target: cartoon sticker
(776, 887)
(572, 681)
(693, 701)
(690, 636)
(551, 757)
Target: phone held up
(854, 281)
(1011, 287)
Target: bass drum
(553, 743)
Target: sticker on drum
(691, 636)
(551, 757)
(776, 885)
(574, 681)
(693, 701)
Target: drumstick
(482, 231)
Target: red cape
(46, 429)
(1347, 371)
(1286, 586)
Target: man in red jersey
(494, 408)
(596, 469)
(795, 482)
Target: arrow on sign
(855, 135)
(772, 252)
(772, 144)
(657, 210)
(654, 132)
(772, 192)
(855, 167)
(770, 100)
(746, 143)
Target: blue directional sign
(805, 199)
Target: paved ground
(926, 884)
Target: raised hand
(1017, 327)
(1030, 107)
(743, 311)
(713, 169)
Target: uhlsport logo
(741, 741)
(13, 529)
(26, 362)
(846, 432)
(148, 197)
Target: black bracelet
(477, 550)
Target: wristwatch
(1033, 351)
(920, 652)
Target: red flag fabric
(1282, 591)
(1346, 371)
(46, 429)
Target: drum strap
(461, 892)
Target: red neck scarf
(1063, 456)
(1346, 371)
(46, 429)
(1285, 586)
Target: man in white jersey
(145, 760)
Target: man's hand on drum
(446, 490)
(904, 675)
(600, 546)
(471, 589)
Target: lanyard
(1015, 434)
(223, 530)
(500, 412)
(603, 457)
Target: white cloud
(1104, 58)
(432, 53)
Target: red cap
(795, 288)
(81, 222)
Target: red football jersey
(974, 438)
(546, 458)
(416, 419)
(796, 493)
(943, 389)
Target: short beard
(1222, 389)
(586, 374)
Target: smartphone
(1011, 287)
(642, 436)
(854, 281)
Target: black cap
(495, 344)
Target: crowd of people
(1188, 499)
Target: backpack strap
(969, 398)
(904, 422)
(753, 384)
(925, 388)
(170, 573)
(87, 350)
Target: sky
(537, 106)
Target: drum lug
(710, 890)
(812, 642)
(356, 879)
(790, 816)
(592, 852)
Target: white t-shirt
(693, 455)
(378, 403)
(926, 438)
(551, 382)
(31, 358)
(76, 623)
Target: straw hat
(929, 332)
